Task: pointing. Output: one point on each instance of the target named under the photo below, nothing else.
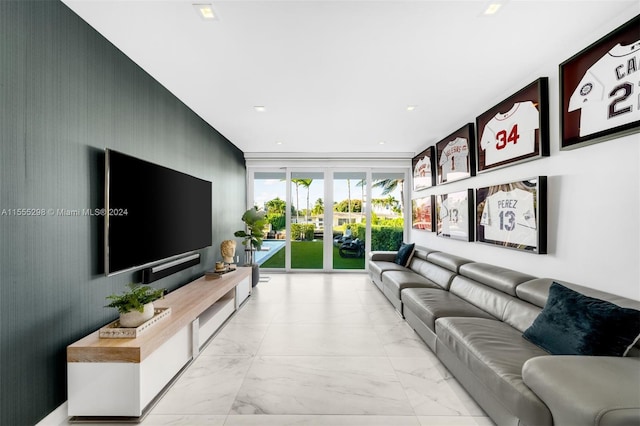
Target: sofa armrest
(388, 256)
(587, 390)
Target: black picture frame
(424, 170)
(422, 213)
(455, 155)
(596, 105)
(513, 215)
(454, 215)
(515, 130)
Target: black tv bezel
(106, 248)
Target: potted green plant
(255, 221)
(135, 304)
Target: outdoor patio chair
(352, 248)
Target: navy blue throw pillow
(405, 252)
(574, 324)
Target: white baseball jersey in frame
(422, 173)
(455, 159)
(511, 134)
(453, 214)
(609, 93)
(509, 216)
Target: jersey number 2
(503, 139)
(627, 91)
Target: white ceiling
(336, 76)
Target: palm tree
(276, 206)
(389, 185)
(296, 182)
(393, 204)
(318, 209)
(362, 183)
(349, 198)
(306, 183)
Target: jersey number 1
(503, 139)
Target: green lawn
(308, 255)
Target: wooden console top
(186, 303)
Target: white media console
(122, 377)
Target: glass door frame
(328, 173)
(367, 212)
(290, 171)
(406, 201)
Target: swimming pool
(268, 249)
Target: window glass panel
(387, 210)
(270, 194)
(349, 220)
(307, 220)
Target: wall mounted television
(152, 213)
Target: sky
(268, 189)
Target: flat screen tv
(152, 213)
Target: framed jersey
(454, 213)
(455, 155)
(424, 171)
(600, 89)
(515, 130)
(422, 213)
(513, 215)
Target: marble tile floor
(316, 349)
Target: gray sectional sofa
(473, 316)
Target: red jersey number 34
(503, 139)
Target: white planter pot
(135, 318)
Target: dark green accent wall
(66, 94)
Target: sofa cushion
(446, 260)
(422, 252)
(376, 269)
(536, 292)
(484, 297)
(574, 324)
(429, 304)
(585, 390)
(435, 273)
(405, 252)
(384, 256)
(396, 281)
(520, 315)
(503, 279)
(494, 353)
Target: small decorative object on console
(228, 250)
(135, 305)
(115, 330)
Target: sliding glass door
(270, 195)
(349, 224)
(387, 210)
(307, 224)
(326, 219)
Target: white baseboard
(56, 418)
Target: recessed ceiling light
(381, 143)
(205, 11)
(278, 143)
(492, 8)
(260, 108)
(411, 107)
